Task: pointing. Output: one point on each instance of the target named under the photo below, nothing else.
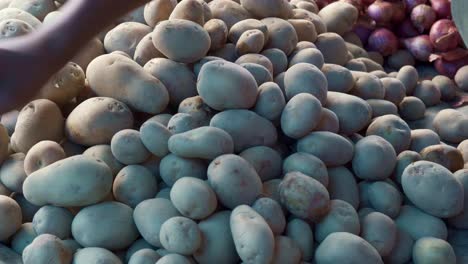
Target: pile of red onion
(423, 27)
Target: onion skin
(383, 41)
(442, 8)
(422, 17)
(420, 47)
(450, 68)
(444, 35)
(407, 30)
(410, 4)
(363, 28)
(381, 12)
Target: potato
(53, 220)
(339, 17)
(400, 58)
(301, 233)
(182, 122)
(256, 58)
(251, 41)
(12, 28)
(272, 213)
(179, 87)
(109, 225)
(420, 224)
(412, 108)
(304, 196)
(385, 198)
(191, 10)
(446, 86)
(144, 256)
(234, 191)
(11, 217)
(158, 10)
(125, 37)
(380, 231)
(404, 159)
(402, 250)
(305, 29)
(461, 79)
(353, 113)
(252, 236)
(382, 107)
(332, 149)
(150, 215)
(23, 238)
(305, 78)
(173, 167)
(180, 235)
(355, 65)
(278, 59)
(282, 35)
(342, 186)
(393, 129)
(374, 158)
(422, 138)
(433, 250)
(328, 122)
(451, 125)
(16, 13)
(427, 92)
(320, 26)
(342, 217)
(104, 153)
(447, 156)
(154, 137)
(28, 210)
(333, 48)
(74, 181)
(217, 242)
(224, 85)
(339, 78)
(47, 249)
(409, 76)
(95, 255)
(367, 86)
(39, 120)
(286, 251)
(227, 52)
(261, 131)
(174, 259)
(310, 55)
(265, 160)
(12, 173)
(134, 184)
(357, 52)
(228, 11)
(8, 123)
(106, 74)
(37, 8)
(300, 115)
(138, 245)
(218, 32)
(259, 72)
(354, 249)
(307, 164)
(271, 8)
(370, 64)
(168, 42)
(420, 180)
(145, 50)
(395, 90)
(96, 120)
(193, 198)
(128, 148)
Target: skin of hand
(27, 62)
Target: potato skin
(12, 173)
(11, 217)
(445, 155)
(125, 37)
(74, 181)
(343, 105)
(158, 10)
(342, 217)
(451, 125)
(95, 255)
(380, 231)
(339, 17)
(134, 184)
(282, 34)
(270, 101)
(180, 235)
(419, 224)
(435, 250)
(305, 78)
(45, 248)
(173, 167)
(96, 120)
(155, 137)
(13, 12)
(53, 220)
(393, 129)
(300, 115)
(128, 148)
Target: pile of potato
(227, 132)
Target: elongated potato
(270, 101)
(155, 137)
(75, 181)
(218, 32)
(301, 115)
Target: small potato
(422, 138)
(460, 220)
(371, 65)
(272, 213)
(16, 13)
(304, 196)
(251, 41)
(402, 250)
(128, 148)
(96, 120)
(144, 256)
(353, 112)
(301, 233)
(109, 225)
(95, 255)
(419, 224)
(39, 120)
(332, 149)
(106, 74)
(259, 72)
(305, 78)
(395, 90)
(412, 108)
(172, 43)
(11, 218)
(265, 160)
(382, 107)
(217, 242)
(125, 37)
(393, 129)
(218, 32)
(270, 8)
(355, 65)
(282, 34)
(451, 125)
(145, 50)
(11, 28)
(339, 78)
(310, 55)
(433, 250)
(342, 217)
(174, 259)
(354, 249)
(307, 164)
(333, 48)
(384, 198)
(286, 251)
(400, 59)
(191, 10)
(380, 231)
(446, 86)
(261, 131)
(225, 85)
(12, 173)
(278, 59)
(23, 238)
(37, 8)
(179, 87)
(104, 153)
(74, 181)
(252, 236)
(53, 220)
(427, 92)
(339, 17)
(231, 191)
(46, 249)
(445, 155)
(367, 86)
(193, 198)
(155, 137)
(134, 184)
(150, 215)
(173, 167)
(409, 76)
(461, 78)
(300, 115)
(158, 10)
(182, 122)
(420, 180)
(305, 29)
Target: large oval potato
(74, 181)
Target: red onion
(423, 17)
(355, 3)
(420, 47)
(450, 68)
(399, 14)
(410, 4)
(363, 28)
(442, 8)
(444, 35)
(381, 12)
(407, 30)
(383, 41)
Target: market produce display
(243, 131)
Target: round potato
(128, 148)
(422, 138)
(281, 34)
(43, 154)
(412, 108)
(53, 220)
(427, 92)
(11, 217)
(307, 164)
(265, 160)
(251, 41)
(433, 250)
(125, 37)
(272, 213)
(95, 255)
(180, 235)
(446, 86)
(173, 167)
(218, 32)
(198, 109)
(342, 217)
(305, 78)
(301, 233)
(419, 224)
(305, 29)
(301, 115)
(278, 58)
(339, 78)
(134, 184)
(451, 125)
(393, 129)
(45, 248)
(104, 153)
(367, 86)
(333, 48)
